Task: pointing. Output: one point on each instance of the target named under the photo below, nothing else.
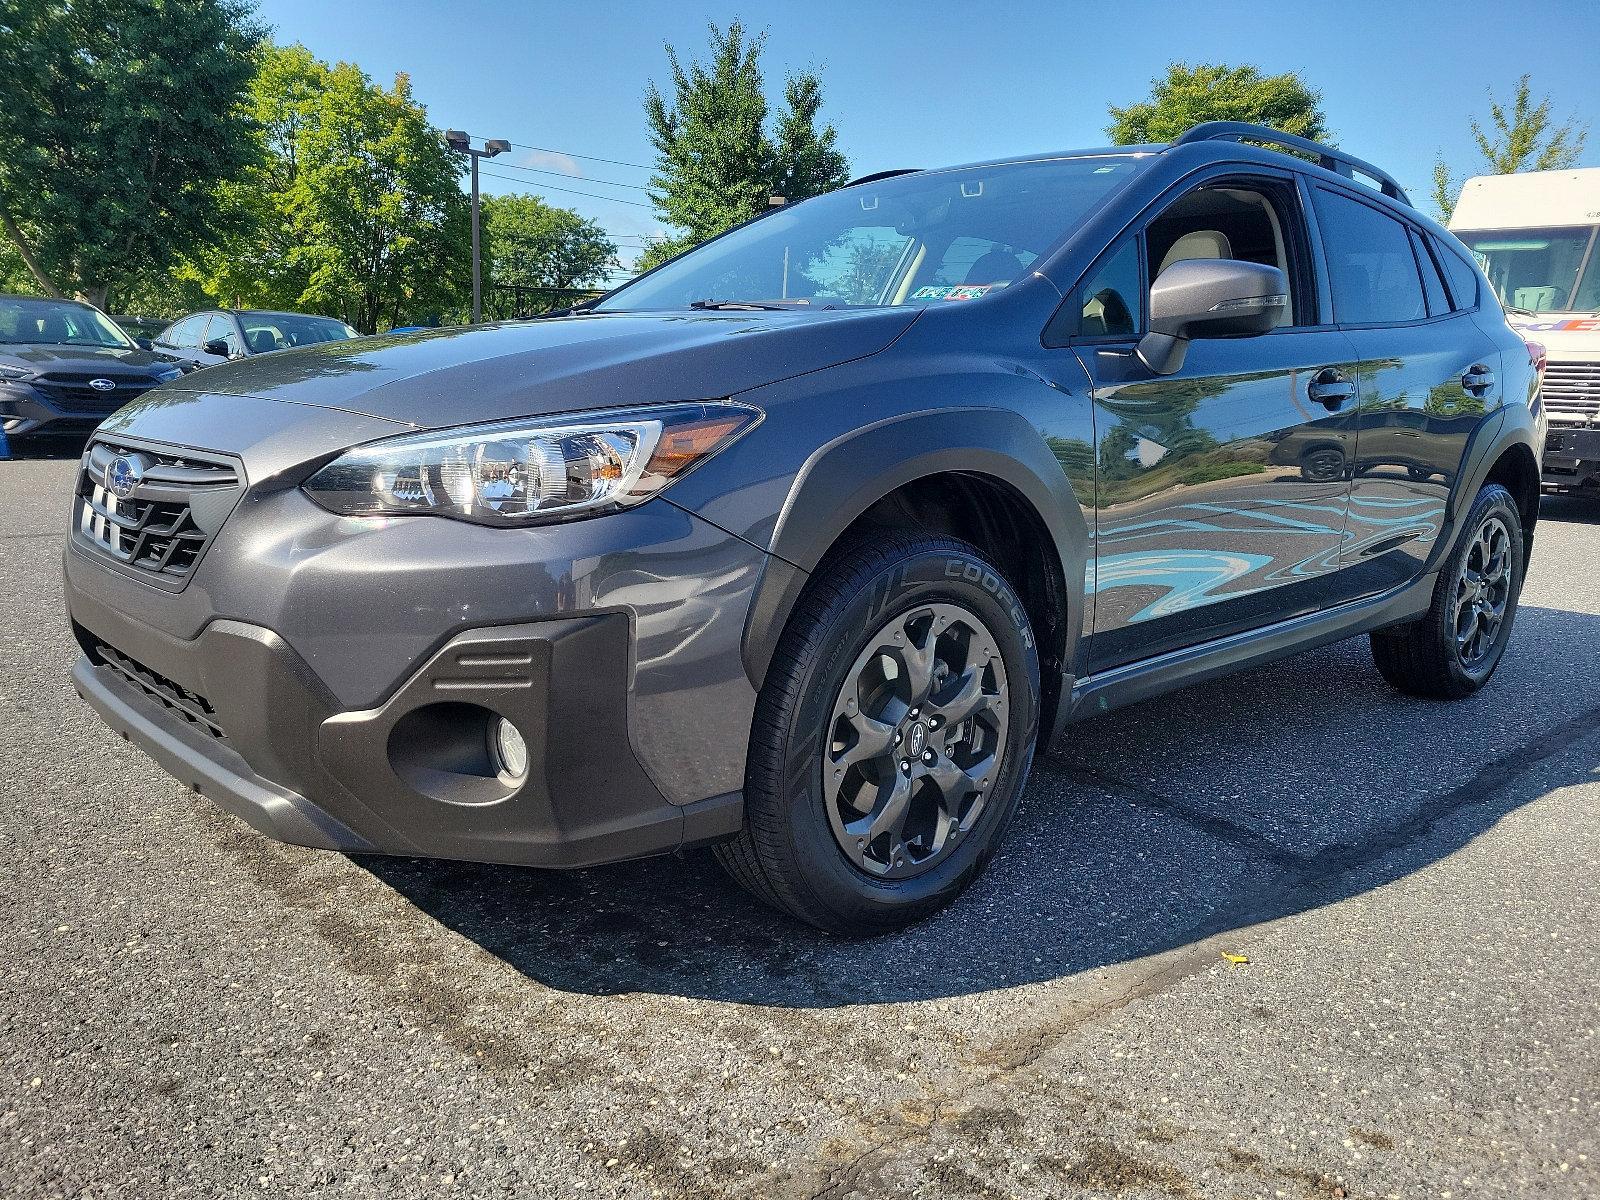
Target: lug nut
(928, 757)
(897, 736)
(905, 765)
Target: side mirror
(1209, 298)
(220, 346)
(144, 343)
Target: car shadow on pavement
(1269, 793)
(1576, 509)
(47, 447)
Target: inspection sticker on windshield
(962, 291)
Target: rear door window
(1370, 264)
(186, 333)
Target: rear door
(1428, 374)
(1222, 488)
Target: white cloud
(549, 160)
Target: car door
(1427, 376)
(1222, 488)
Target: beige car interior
(1196, 226)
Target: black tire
(791, 853)
(1322, 464)
(1425, 657)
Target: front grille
(69, 391)
(1573, 389)
(161, 526)
(191, 707)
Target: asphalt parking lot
(188, 1009)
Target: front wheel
(892, 737)
(1452, 650)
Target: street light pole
(457, 139)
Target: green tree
(718, 162)
(355, 209)
(1185, 96)
(530, 245)
(1525, 138)
(118, 120)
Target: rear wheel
(892, 737)
(1322, 464)
(1454, 649)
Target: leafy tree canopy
(355, 208)
(531, 245)
(1523, 138)
(719, 159)
(1185, 96)
(118, 118)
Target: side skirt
(1096, 694)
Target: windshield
(57, 323)
(912, 239)
(1540, 270)
(279, 331)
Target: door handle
(1478, 380)
(1330, 388)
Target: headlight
(167, 374)
(14, 373)
(531, 470)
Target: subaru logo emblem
(917, 739)
(123, 474)
(102, 385)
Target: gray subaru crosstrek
(802, 544)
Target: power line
(615, 162)
(572, 191)
(638, 187)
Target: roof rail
(1327, 157)
(877, 175)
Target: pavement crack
(1218, 827)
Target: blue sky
(924, 84)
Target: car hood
(110, 359)
(462, 375)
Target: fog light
(510, 749)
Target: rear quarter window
(1462, 276)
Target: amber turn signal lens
(681, 446)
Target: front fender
(845, 477)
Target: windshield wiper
(759, 305)
(1521, 312)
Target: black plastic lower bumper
(239, 717)
(1571, 458)
(27, 412)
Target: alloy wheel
(1483, 592)
(915, 741)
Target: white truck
(1535, 235)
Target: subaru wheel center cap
(917, 738)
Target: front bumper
(1571, 457)
(285, 679)
(273, 737)
(25, 409)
